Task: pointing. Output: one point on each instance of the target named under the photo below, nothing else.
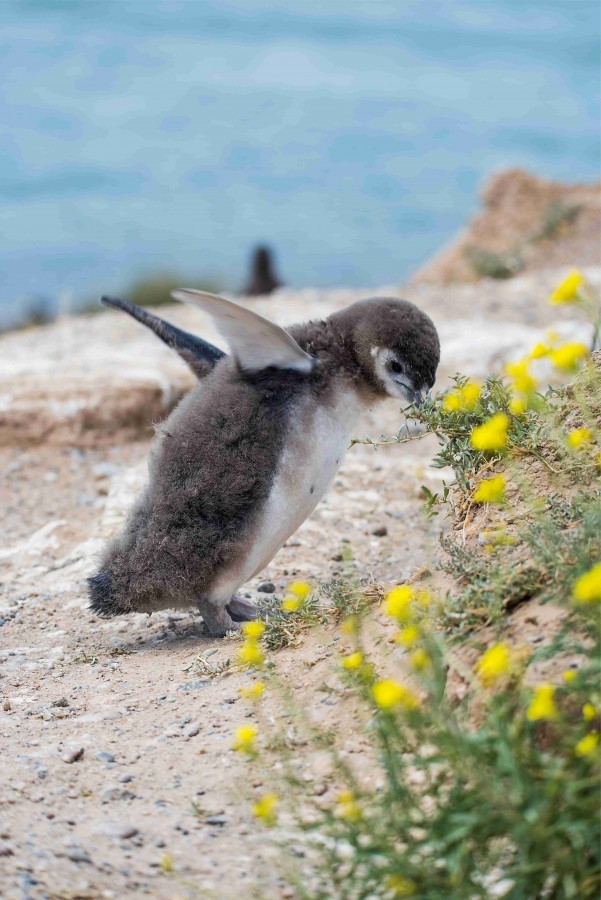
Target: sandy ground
(117, 759)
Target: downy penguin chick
(246, 456)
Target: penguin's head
(397, 347)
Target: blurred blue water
(146, 135)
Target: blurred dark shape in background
(262, 278)
(40, 310)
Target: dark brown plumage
(214, 462)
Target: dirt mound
(526, 223)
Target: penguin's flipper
(198, 354)
(255, 342)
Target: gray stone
(216, 820)
(192, 729)
(266, 587)
(103, 756)
(72, 754)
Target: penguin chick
(246, 456)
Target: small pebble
(380, 531)
(216, 820)
(192, 729)
(266, 587)
(78, 855)
(72, 755)
(6, 849)
(62, 701)
(125, 778)
(103, 756)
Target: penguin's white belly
(309, 461)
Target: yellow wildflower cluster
(245, 740)
(542, 706)
(352, 662)
(388, 693)
(579, 436)
(403, 603)
(567, 357)
(398, 603)
(347, 807)
(588, 745)
(494, 664)
(419, 659)
(587, 588)
(252, 691)
(492, 435)
(265, 809)
(297, 593)
(462, 399)
(589, 712)
(408, 636)
(250, 653)
(491, 490)
(400, 886)
(567, 290)
(522, 380)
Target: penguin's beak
(419, 396)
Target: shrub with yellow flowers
(484, 773)
(512, 790)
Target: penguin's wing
(198, 354)
(256, 342)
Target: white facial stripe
(395, 385)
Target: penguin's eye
(396, 367)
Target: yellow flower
(300, 589)
(568, 356)
(567, 290)
(493, 664)
(518, 406)
(265, 809)
(408, 636)
(569, 675)
(424, 599)
(250, 654)
(388, 693)
(523, 381)
(587, 588)
(253, 630)
(588, 745)
(350, 625)
(492, 435)
(402, 887)
(419, 659)
(353, 661)
(539, 350)
(291, 604)
(245, 740)
(166, 863)
(542, 706)
(462, 399)
(252, 691)
(348, 808)
(452, 402)
(491, 490)
(588, 712)
(398, 603)
(579, 436)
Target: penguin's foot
(242, 610)
(216, 618)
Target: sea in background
(143, 136)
